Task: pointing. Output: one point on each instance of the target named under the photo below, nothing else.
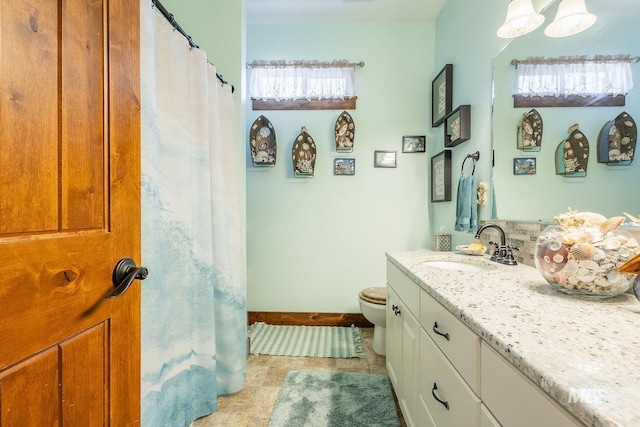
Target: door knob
(124, 273)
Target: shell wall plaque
(303, 154)
(617, 141)
(345, 133)
(530, 131)
(572, 155)
(262, 141)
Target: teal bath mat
(312, 341)
(334, 399)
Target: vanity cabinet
(403, 341)
(445, 375)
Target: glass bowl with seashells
(584, 252)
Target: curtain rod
(563, 59)
(169, 17)
(304, 63)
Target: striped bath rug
(311, 341)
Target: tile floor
(252, 406)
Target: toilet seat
(374, 295)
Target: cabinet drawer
(514, 399)
(435, 368)
(458, 343)
(407, 289)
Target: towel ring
(474, 157)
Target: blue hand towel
(467, 208)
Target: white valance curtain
(570, 76)
(288, 80)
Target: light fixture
(521, 19)
(572, 17)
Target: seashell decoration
(262, 141)
(572, 155)
(588, 254)
(611, 224)
(530, 131)
(617, 140)
(345, 131)
(303, 154)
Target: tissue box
(442, 242)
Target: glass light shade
(521, 19)
(572, 18)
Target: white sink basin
(458, 265)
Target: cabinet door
(409, 366)
(394, 335)
(486, 418)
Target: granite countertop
(583, 352)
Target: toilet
(373, 305)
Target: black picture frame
(457, 127)
(344, 166)
(441, 95)
(414, 143)
(524, 165)
(385, 159)
(441, 177)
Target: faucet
(502, 253)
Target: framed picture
(441, 90)
(524, 165)
(457, 127)
(384, 159)
(441, 177)
(413, 144)
(343, 166)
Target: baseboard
(309, 319)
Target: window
(573, 81)
(303, 84)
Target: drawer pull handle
(395, 309)
(435, 329)
(433, 393)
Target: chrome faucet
(501, 253)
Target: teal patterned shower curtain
(194, 299)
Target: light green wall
(466, 38)
(313, 244)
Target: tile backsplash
(521, 234)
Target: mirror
(609, 190)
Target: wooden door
(69, 210)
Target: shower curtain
(194, 300)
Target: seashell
(571, 267)
(631, 243)
(588, 264)
(611, 224)
(613, 276)
(611, 244)
(552, 256)
(632, 266)
(624, 253)
(583, 251)
(636, 287)
(625, 140)
(579, 236)
(591, 219)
